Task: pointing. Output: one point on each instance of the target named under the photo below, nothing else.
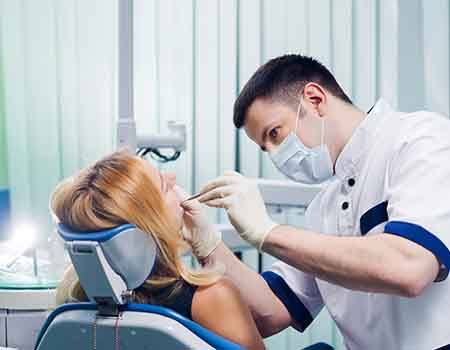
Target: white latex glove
(243, 203)
(197, 230)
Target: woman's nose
(171, 179)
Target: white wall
(58, 59)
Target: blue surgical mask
(301, 163)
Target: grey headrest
(110, 262)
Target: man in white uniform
(375, 249)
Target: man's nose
(268, 147)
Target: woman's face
(167, 183)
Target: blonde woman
(123, 188)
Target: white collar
(358, 144)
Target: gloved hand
(243, 203)
(197, 230)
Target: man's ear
(315, 95)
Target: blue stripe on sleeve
(424, 238)
(373, 217)
(294, 305)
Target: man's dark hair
(282, 78)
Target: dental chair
(110, 265)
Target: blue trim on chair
(293, 304)
(422, 237)
(373, 217)
(99, 236)
(209, 337)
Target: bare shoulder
(220, 308)
(223, 290)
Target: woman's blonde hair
(118, 189)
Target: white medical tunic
(393, 176)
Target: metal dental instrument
(192, 197)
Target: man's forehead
(258, 114)
(264, 112)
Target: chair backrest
(110, 264)
(78, 326)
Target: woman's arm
(220, 308)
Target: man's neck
(350, 117)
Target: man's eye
(273, 133)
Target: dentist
(375, 249)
